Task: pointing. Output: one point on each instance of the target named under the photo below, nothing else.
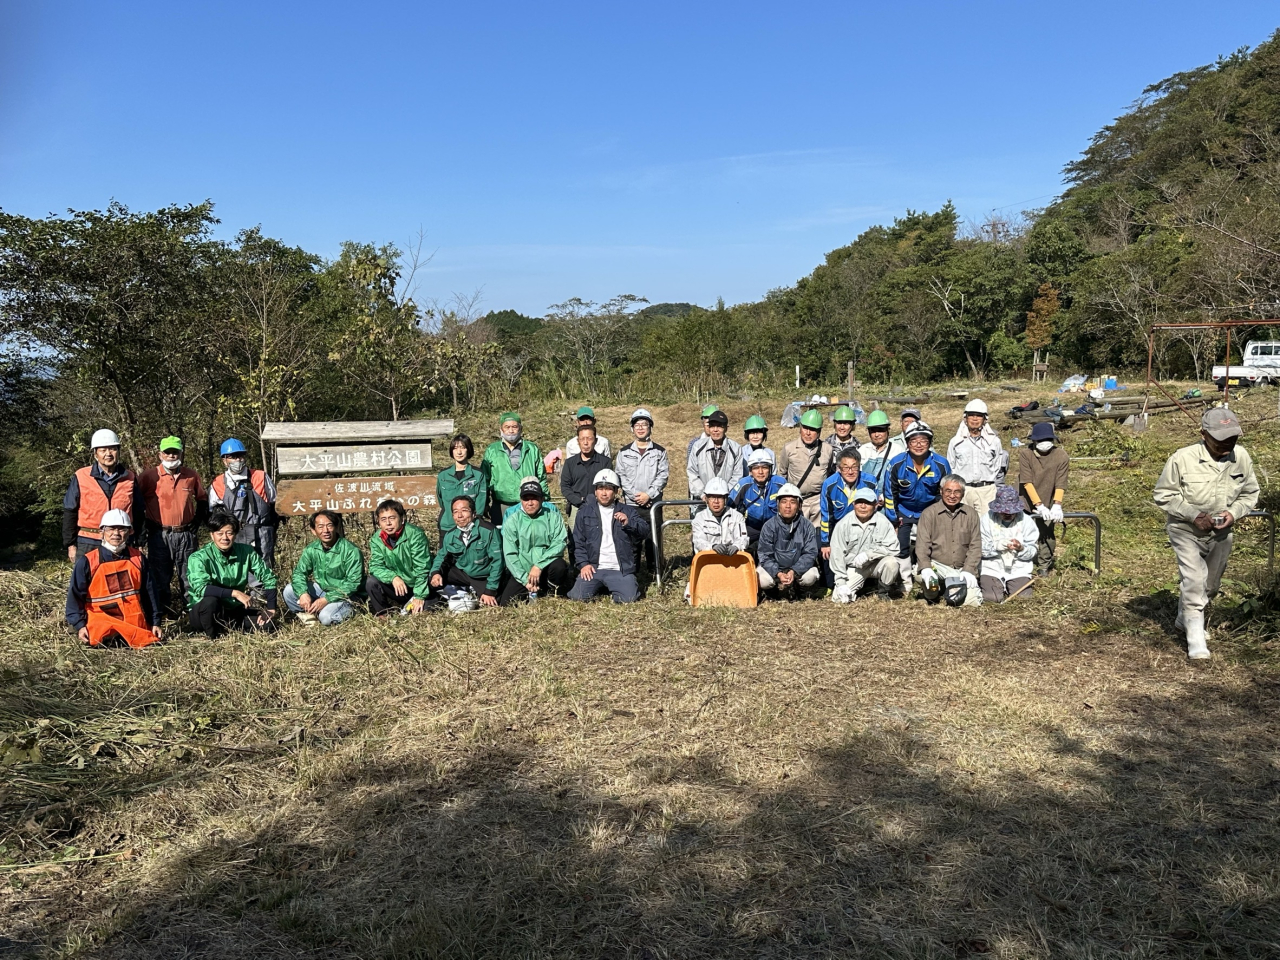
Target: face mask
(115, 550)
(1044, 446)
(173, 466)
(236, 467)
(513, 437)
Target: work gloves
(1055, 513)
(1043, 512)
(861, 559)
(725, 549)
(929, 578)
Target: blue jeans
(331, 614)
(622, 586)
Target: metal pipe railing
(1097, 535)
(658, 525)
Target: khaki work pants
(1202, 559)
(979, 498)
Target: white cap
(604, 477)
(976, 406)
(116, 518)
(790, 490)
(763, 455)
(716, 487)
(104, 438)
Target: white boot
(1179, 623)
(904, 570)
(1197, 648)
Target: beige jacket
(1193, 483)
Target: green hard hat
(845, 414)
(877, 418)
(709, 409)
(811, 419)
(755, 423)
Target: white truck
(1259, 365)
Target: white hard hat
(976, 406)
(116, 518)
(716, 487)
(104, 438)
(606, 477)
(642, 414)
(790, 490)
(763, 455)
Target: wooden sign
(352, 458)
(368, 431)
(304, 497)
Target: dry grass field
(1046, 779)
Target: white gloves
(1042, 512)
(1055, 513)
(861, 559)
(929, 578)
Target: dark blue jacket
(587, 533)
(78, 590)
(788, 546)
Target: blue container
(1109, 383)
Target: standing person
(1008, 547)
(111, 593)
(864, 549)
(399, 563)
(577, 476)
(506, 461)
(755, 431)
(533, 543)
(329, 576)
(949, 547)
(587, 417)
(879, 449)
(219, 575)
(804, 463)
(249, 496)
(707, 411)
(470, 555)
(607, 533)
(788, 549)
(173, 499)
(106, 484)
(906, 418)
(842, 423)
(1043, 469)
(461, 479)
(756, 495)
(643, 470)
(837, 498)
(975, 452)
(912, 482)
(1203, 490)
(715, 455)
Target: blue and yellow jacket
(837, 500)
(755, 502)
(906, 490)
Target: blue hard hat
(230, 446)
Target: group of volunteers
(835, 514)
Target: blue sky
(675, 151)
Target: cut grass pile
(1048, 779)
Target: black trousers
(454, 577)
(212, 617)
(382, 596)
(557, 576)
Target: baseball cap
(1220, 423)
(586, 412)
(531, 489)
(718, 419)
(170, 443)
(865, 495)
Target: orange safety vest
(257, 480)
(94, 503)
(113, 604)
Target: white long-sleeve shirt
(729, 527)
(978, 459)
(995, 547)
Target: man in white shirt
(606, 541)
(976, 454)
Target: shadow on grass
(883, 844)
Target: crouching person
(470, 555)
(1009, 539)
(218, 576)
(719, 528)
(399, 563)
(607, 537)
(533, 541)
(111, 593)
(329, 575)
(788, 549)
(864, 550)
(949, 547)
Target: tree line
(146, 322)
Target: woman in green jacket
(399, 562)
(507, 461)
(329, 575)
(470, 554)
(533, 542)
(218, 578)
(460, 480)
